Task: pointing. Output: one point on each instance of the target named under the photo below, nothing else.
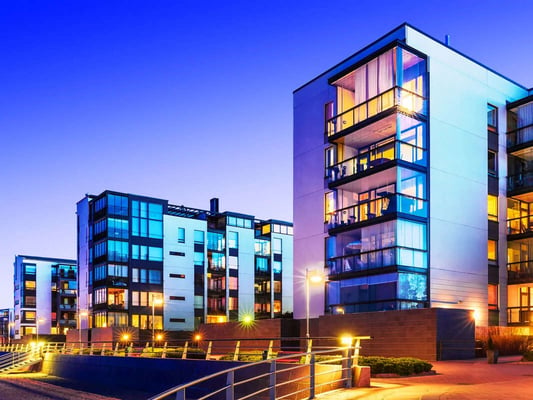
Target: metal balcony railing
(519, 315)
(394, 97)
(520, 181)
(395, 150)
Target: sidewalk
(471, 379)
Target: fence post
(230, 388)
(208, 354)
(184, 354)
(269, 354)
(312, 377)
(91, 352)
(102, 352)
(308, 351)
(272, 380)
(164, 352)
(237, 348)
(115, 353)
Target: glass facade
(376, 205)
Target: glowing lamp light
(346, 340)
(125, 337)
(197, 337)
(475, 315)
(247, 320)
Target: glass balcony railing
(395, 97)
(520, 272)
(377, 259)
(520, 181)
(520, 225)
(519, 315)
(364, 161)
(520, 136)
(391, 203)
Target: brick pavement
(455, 380)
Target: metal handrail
(348, 358)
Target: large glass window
(199, 237)
(233, 240)
(492, 248)
(215, 241)
(117, 205)
(117, 228)
(492, 206)
(118, 251)
(147, 219)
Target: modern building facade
(404, 167)
(6, 325)
(146, 263)
(45, 295)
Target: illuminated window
(329, 207)
(29, 285)
(492, 207)
(277, 306)
(265, 229)
(492, 250)
(493, 297)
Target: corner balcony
(520, 272)
(390, 204)
(388, 258)
(364, 162)
(520, 183)
(398, 98)
(520, 226)
(519, 315)
(520, 138)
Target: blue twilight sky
(186, 100)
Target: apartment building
(412, 183)
(6, 325)
(146, 263)
(44, 295)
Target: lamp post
(10, 327)
(158, 301)
(309, 278)
(80, 314)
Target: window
(100, 296)
(492, 207)
(276, 267)
(117, 205)
(265, 229)
(118, 251)
(147, 219)
(276, 245)
(215, 241)
(177, 253)
(30, 269)
(492, 117)
(239, 222)
(29, 285)
(177, 319)
(492, 250)
(181, 298)
(199, 237)
(233, 262)
(181, 276)
(493, 297)
(117, 228)
(492, 163)
(181, 235)
(233, 283)
(29, 301)
(233, 240)
(142, 275)
(150, 253)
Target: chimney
(213, 205)
(447, 40)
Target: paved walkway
(455, 380)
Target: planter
(492, 356)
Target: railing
(521, 271)
(520, 225)
(390, 203)
(377, 259)
(396, 96)
(520, 136)
(63, 306)
(18, 355)
(375, 157)
(519, 315)
(283, 377)
(522, 180)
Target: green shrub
(528, 356)
(401, 366)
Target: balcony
(520, 138)
(520, 183)
(67, 306)
(368, 160)
(397, 97)
(519, 226)
(519, 315)
(376, 259)
(68, 292)
(520, 272)
(366, 211)
(67, 323)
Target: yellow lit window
(493, 297)
(30, 285)
(492, 250)
(265, 229)
(492, 206)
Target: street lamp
(309, 278)
(158, 301)
(81, 314)
(11, 326)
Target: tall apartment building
(412, 183)
(205, 266)
(6, 325)
(44, 294)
